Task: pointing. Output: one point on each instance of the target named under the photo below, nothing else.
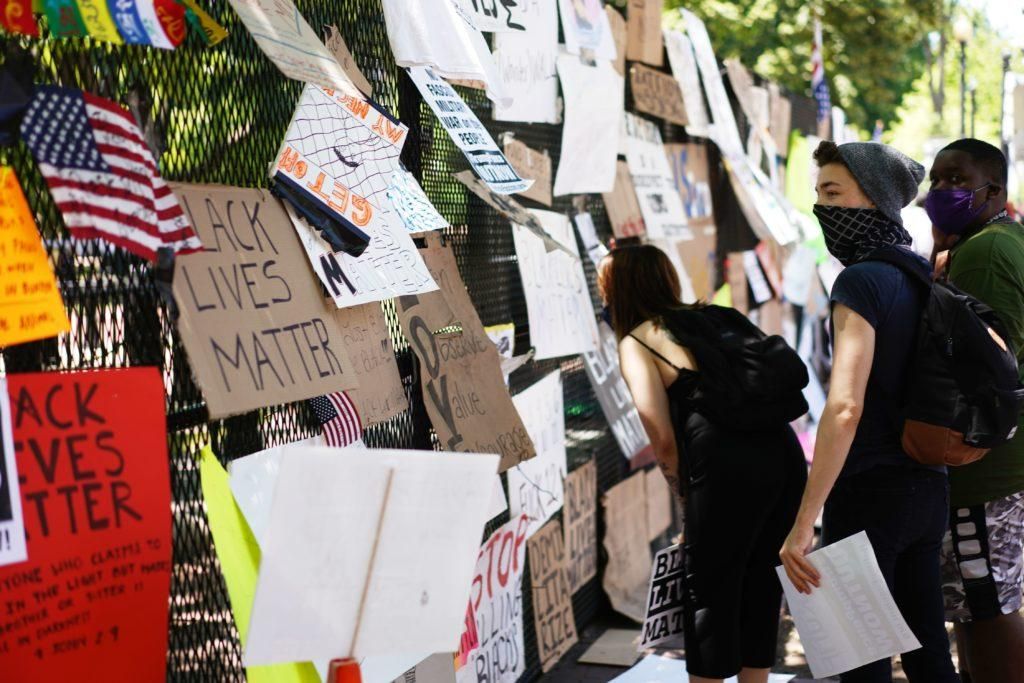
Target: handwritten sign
(492, 644)
(580, 519)
(623, 206)
(30, 303)
(460, 372)
(644, 30)
(586, 29)
(629, 552)
(531, 164)
(253, 321)
(526, 65)
(602, 367)
(336, 44)
(535, 486)
(689, 163)
(468, 134)
(657, 93)
(552, 599)
(665, 599)
(96, 495)
(496, 15)
(285, 37)
(411, 204)
(684, 68)
(558, 302)
(365, 338)
(660, 203)
(594, 99)
(12, 522)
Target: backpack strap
(658, 355)
(895, 256)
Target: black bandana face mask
(852, 234)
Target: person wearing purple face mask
(983, 553)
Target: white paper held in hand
(852, 619)
(368, 552)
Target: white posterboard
(536, 486)
(345, 527)
(851, 619)
(587, 29)
(684, 68)
(660, 202)
(558, 304)
(12, 523)
(526, 65)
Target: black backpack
(748, 381)
(963, 393)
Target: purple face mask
(951, 211)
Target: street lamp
(972, 88)
(962, 32)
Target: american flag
(818, 84)
(101, 174)
(339, 418)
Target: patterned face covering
(852, 234)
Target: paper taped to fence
(552, 599)
(580, 519)
(586, 28)
(660, 203)
(412, 205)
(526, 64)
(629, 553)
(657, 93)
(665, 599)
(532, 164)
(851, 619)
(684, 68)
(364, 332)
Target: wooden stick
(373, 561)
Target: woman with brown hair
(741, 472)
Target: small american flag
(819, 85)
(339, 418)
(101, 174)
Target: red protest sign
(91, 450)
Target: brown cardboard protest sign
(460, 372)
(364, 333)
(622, 205)
(657, 93)
(552, 599)
(659, 503)
(336, 44)
(781, 113)
(532, 165)
(254, 322)
(580, 515)
(617, 24)
(736, 276)
(644, 31)
(629, 552)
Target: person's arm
(851, 366)
(651, 399)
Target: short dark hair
(985, 155)
(828, 153)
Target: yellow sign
(214, 31)
(98, 21)
(30, 303)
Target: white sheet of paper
(851, 619)
(588, 235)
(660, 202)
(558, 303)
(285, 37)
(526, 65)
(12, 523)
(499, 503)
(797, 275)
(332, 516)
(468, 134)
(411, 204)
(661, 669)
(438, 34)
(586, 27)
(536, 486)
(496, 16)
(386, 668)
(594, 99)
(755, 277)
(684, 68)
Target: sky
(1006, 15)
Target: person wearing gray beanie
(860, 477)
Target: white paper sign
(468, 133)
(684, 68)
(851, 619)
(12, 523)
(285, 37)
(349, 523)
(536, 486)
(496, 15)
(661, 669)
(666, 599)
(586, 27)
(755, 277)
(660, 202)
(412, 205)
(558, 303)
(526, 65)
(594, 100)
(588, 234)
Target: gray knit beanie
(888, 176)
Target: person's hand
(793, 555)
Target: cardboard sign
(412, 205)
(96, 496)
(284, 36)
(526, 65)
(336, 44)
(468, 134)
(586, 29)
(602, 367)
(689, 163)
(659, 503)
(365, 338)
(684, 68)
(781, 114)
(535, 486)
(581, 525)
(657, 93)
(253, 321)
(552, 599)
(623, 206)
(529, 163)
(645, 31)
(492, 643)
(660, 203)
(617, 25)
(629, 552)
(460, 373)
(558, 302)
(12, 521)
(665, 599)
(30, 303)
(594, 100)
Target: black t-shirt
(891, 302)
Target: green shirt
(990, 267)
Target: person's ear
(994, 190)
